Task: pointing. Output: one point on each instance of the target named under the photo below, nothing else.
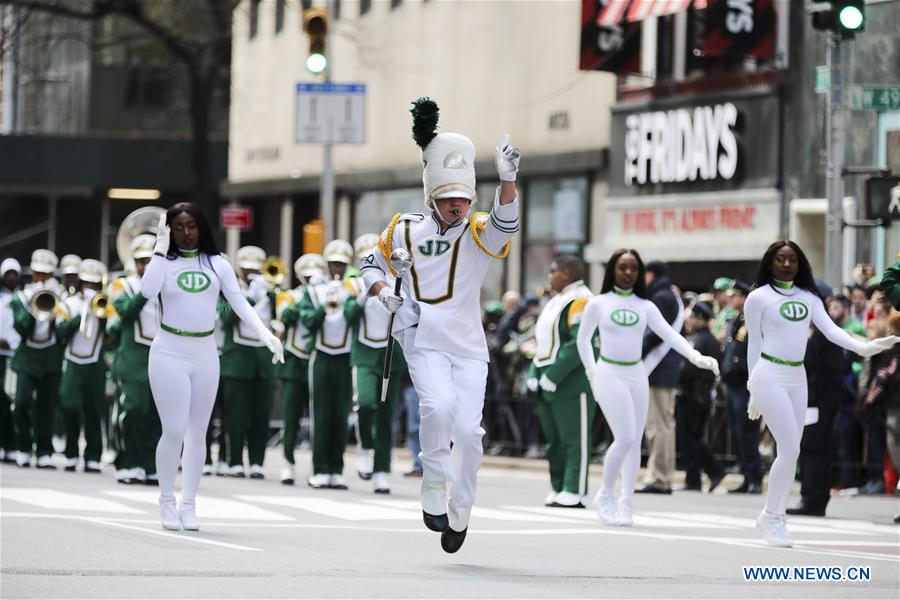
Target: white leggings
(780, 393)
(623, 395)
(184, 377)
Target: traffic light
(315, 25)
(845, 17)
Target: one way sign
(883, 198)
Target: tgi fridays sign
(712, 145)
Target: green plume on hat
(425, 120)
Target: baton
(401, 261)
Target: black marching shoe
(741, 489)
(754, 488)
(438, 523)
(714, 482)
(652, 489)
(451, 541)
(809, 510)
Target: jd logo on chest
(434, 247)
(793, 310)
(624, 317)
(193, 282)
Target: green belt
(184, 333)
(781, 361)
(620, 363)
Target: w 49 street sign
(866, 97)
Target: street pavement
(76, 535)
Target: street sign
(823, 79)
(236, 217)
(331, 113)
(883, 198)
(868, 97)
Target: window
(373, 210)
(254, 18)
(279, 15)
(555, 223)
(364, 6)
(336, 9)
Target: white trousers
(780, 392)
(623, 395)
(451, 399)
(184, 377)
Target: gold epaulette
(477, 224)
(386, 241)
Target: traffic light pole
(327, 180)
(836, 127)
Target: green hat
(722, 284)
(494, 308)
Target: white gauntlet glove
(879, 345)
(753, 412)
(163, 232)
(546, 384)
(702, 361)
(391, 301)
(507, 160)
(532, 384)
(273, 344)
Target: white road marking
(479, 512)
(793, 526)
(208, 507)
(56, 500)
(347, 511)
(640, 520)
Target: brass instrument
(43, 304)
(143, 220)
(274, 272)
(99, 308)
(333, 299)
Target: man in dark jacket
(744, 432)
(694, 404)
(660, 429)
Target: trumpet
(99, 308)
(274, 271)
(43, 304)
(333, 298)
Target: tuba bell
(43, 303)
(143, 220)
(274, 272)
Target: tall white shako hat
(364, 243)
(338, 251)
(92, 271)
(69, 264)
(449, 158)
(310, 264)
(44, 261)
(142, 246)
(251, 257)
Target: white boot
(550, 499)
(187, 514)
(568, 500)
(380, 483)
(364, 463)
(318, 481)
(624, 517)
(336, 481)
(287, 475)
(221, 468)
(207, 470)
(71, 464)
(45, 462)
(168, 513)
(257, 472)
(774, 529)
(23, 459)
(605, 507)
(236, 471)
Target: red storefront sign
(689, 219)
(236, 217)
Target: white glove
(507, 160)
(532, 384)
(391, 301)
(259, 287)
(702, 361)
(546, 384)
(163, 232)
(753, 412)
(273, 344)
(879, 345)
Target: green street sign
(866, 97)
(823, 80)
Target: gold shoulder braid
(386, 241)
(477, 226)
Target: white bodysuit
(439, 327)
(184, 362)
(619, 379)
(778, 329)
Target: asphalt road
(74, 535)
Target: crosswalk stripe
(347, 511)
(481, 513)
(640, 519)
(56, 500)
(208, 507)
(793, 526)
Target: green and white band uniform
(294, 373)
(568, 412)
(322, 313)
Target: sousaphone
(143, 220)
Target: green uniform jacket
(130, 363)
(34, 362)
(890, 283)
(311, 316)
(366, 356)
(239, 361)
(566, 371)
(294, 368)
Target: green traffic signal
(851, 18)
(316, 63)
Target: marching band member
(69, 265)
(778, 313)
(294, 373)
(246, 369)
(371, 321)
(38, 360)
(82, 394)
(10, 276)
(321, 312)
(187, 272)
(439, 326)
